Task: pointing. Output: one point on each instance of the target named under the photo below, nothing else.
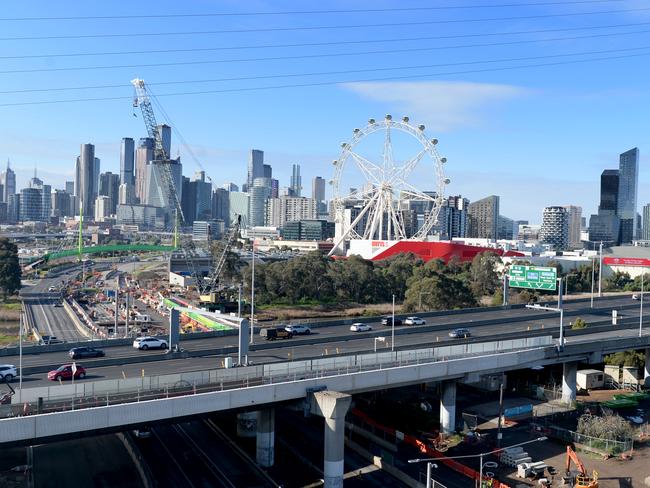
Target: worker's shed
(589, 379)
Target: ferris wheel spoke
(388, 150)
(405, 171)
(414, 192)
(361, 194)
(370, 170)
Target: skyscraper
(8, 182)
(484, 218)
(605, 226)
(318, 193)
(628, 183)
(268, 171)
(31, 205)
(85, 181)
(69, 187)
(260, 192)
(127, 155)
(296, 180)
(109, 186)
(143, 156)
(165, 132)
(255, 167)
(555, 228)
(574, 217)
(646, 222)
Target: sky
(529, 102)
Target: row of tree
(9, 268)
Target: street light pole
(480, 472)
(20, 357)
(600, 271)
(392, 332)
(593, 273)
(641, 312)
(253, 294)
(429, 466)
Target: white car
(298, 329)
(359, 327)
(7, 372)
(414, 321)
(145, 343)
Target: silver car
(298, 329)
(7, 372)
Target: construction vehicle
(581, 479)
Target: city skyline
(492, 126)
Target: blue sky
(536, 136)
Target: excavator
(581, 479)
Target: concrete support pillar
(646, 368)
(569, 386)
(448, 407)
(247, 424)
(266, 437)
(333, 406)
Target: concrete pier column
(569, 386)
(333, 406)
(448, 407)
(266, 437)
(646, 368)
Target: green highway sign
(534, 277)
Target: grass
(10, 309)
(6, 340)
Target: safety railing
(83, 394)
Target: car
(143, 433)
(58, 304)
(273, 333)
(51, 289)
(635, 297)
(48, 339)
(388, 320)
(359, 327)
(8, 372)
(65, 372)
(298, 329)
(147, 342)
(414, 321)
(85, 352)
(460, 333)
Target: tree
(397, 270)
(618, 281)
(483, 272)
(579, 324)
(9, 268)
(611, 427)
(626, 358)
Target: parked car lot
(298, 329)
(144, 343)
(414, 321)
(359, 327)
(8, 372)
(65, 373)
(85, 352)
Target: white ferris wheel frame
(382, 210)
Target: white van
(142, 318)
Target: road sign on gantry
(533, 277)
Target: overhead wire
(328, 43)
(339, 82)
(325, 27)
(307, 56)
(308, 12)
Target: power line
(308, 12)
(311, 56)
(366, 80)
(323, 27)
(329, 43)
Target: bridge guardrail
(108, 392)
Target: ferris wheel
(386, 186)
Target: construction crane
(208, 287)
(581, 480)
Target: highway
(324, 341)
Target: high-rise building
(109, 186)
(646, 222)
(31, 205)
(260, 192)
(203, 196)
(230, 187)
(86, 179)
(127, 160)
(318, 193)
(221, 205)
(165, 132)
(255, 167)
(268, 171)
(628, 183)
(605, 226)
(555, 228)
(239, 204)
(296, 181)
(8, 181)
(69, 187)
(281, 210)
(102, 208)
(275, 188)
(143, 156)
(62, 204)
(126, 195)
(574, 216)
(157, 192)
(505, 228)
(484, 218)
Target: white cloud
(441, 105)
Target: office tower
(318, 193)
(646, 222)
(555, 228)
(221, 205)
(505, 228)
(255, 167)
(102, 208)
(143, 156)
(230, 187)
(484, 218)
(109, 186)
(126, 195)
(260, 192)
(188, 201)
(85, 181)
(296, 180)
(31, 205)
(574, 216)
(628, 183)
(239, 204)
(203, 203)
(275, 188)
(452, 219)
(268, 171)
(157, 192)
(127, 159)
(96, 173)
(165, 132)
(281, 210)
(61, 204)
(69, 187)
(605, 226)
(8, 181)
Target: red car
(65, 373)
